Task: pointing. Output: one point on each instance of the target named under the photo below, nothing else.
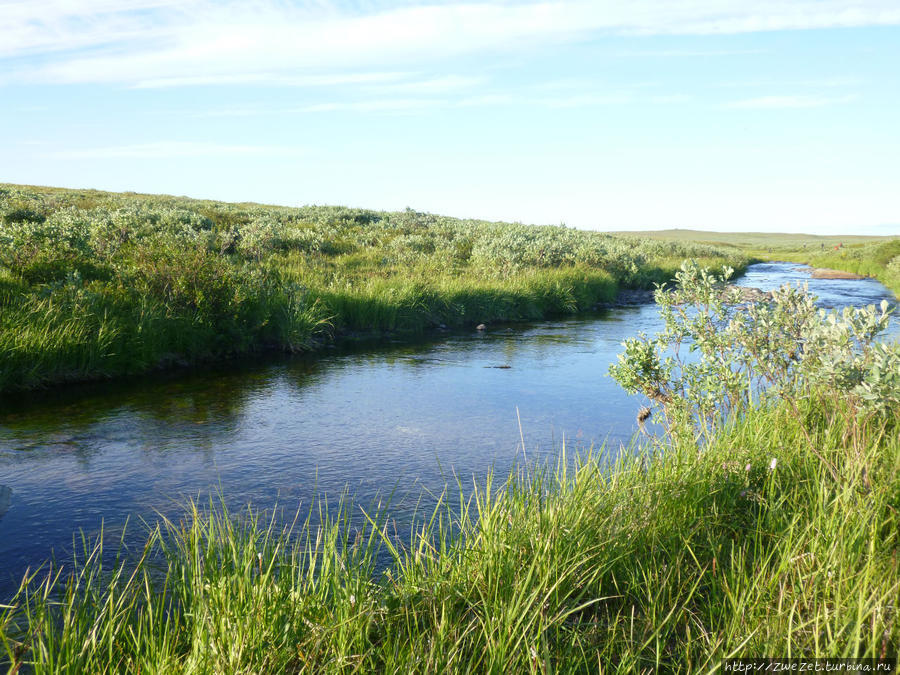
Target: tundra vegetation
(96, 284)
(762, 521)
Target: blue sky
(717, 114)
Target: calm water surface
(369, 421)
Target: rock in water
(5, 495)
(748, 294)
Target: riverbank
(98, 285)
(665, 561)
(877, 257)
(879, 261)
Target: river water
(368, 420)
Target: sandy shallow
(821, 273)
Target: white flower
(773, 464)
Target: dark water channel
(367, 420)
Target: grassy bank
(96, 284)
(668, 561)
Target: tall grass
(666, 560)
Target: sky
(770, 115)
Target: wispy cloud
(380, 105)
(167, 43)
(58, 25)
(437, 85)
(401, 105)
(691, 53)
(664, 99)
(818, 83)
(585, 100)
(486, 100)
(779, 102)
(175, 149)
(272, 79)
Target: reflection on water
(369, 419)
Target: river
(369, 420)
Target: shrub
(737, 351)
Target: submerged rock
(747, 293)
(635, 296)
(5, 497)
(628, 297)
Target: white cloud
(380, 105)
(29, 26)
(437, 85)
(665, 99)
(818, 83)
(407, 105)
(584, 100)
(778, 102)
(271, 79)
(162, 43)
(702, 53)
(175, 149)
(486, 100)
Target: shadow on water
(368, 419)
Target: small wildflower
(747, 468)
(773, 464)
(352, 600)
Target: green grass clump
(96, 284)
(662, 561)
